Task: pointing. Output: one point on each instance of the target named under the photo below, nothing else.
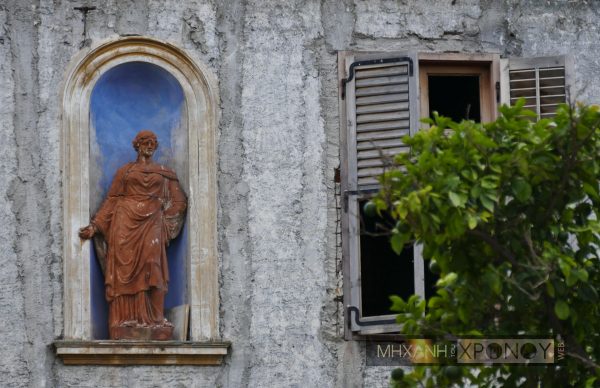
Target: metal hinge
(360, 323)
(348, 193)
(374, 62)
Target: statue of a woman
(144, 210)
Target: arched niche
(125, 99)
(199, 120)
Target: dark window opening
(455, 96)
(383, 272)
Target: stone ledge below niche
(141, 352)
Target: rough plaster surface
(278, 147)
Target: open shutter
(380, 98)
(543, 82)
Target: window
(470, 79)
(382, 98)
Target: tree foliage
(508, 211)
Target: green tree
(508, 213)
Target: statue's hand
(87, 232)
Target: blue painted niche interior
(126, 99)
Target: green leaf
(475, 191)
(398, 240)
(487, 203)
(591, 191)
(475, 333)
(398, 304)
(453, 181)
(471, 221)
(421, 307)
(414, 203)
(485, 216)
(402, 211)
(561, 308)
(469, 174)
(581, 274)
(458, 200)
(571, 279)
(588, 293)
(463, 314)
(550, 289)
(589, 383)
(492, 279)
(489, 182)
(559, 288)
(434, 302)
(565, 267)
(521, 189)
(447, 280)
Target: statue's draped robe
(144, 210)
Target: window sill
(141, 352)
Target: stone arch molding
(202, 114)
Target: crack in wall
(195, 30)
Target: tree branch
(589, 363)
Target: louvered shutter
(543, 82)
(381, 109)
(380, 98)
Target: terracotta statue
(144, 210)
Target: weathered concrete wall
(278, 147)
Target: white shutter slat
(370, 172)
(394, 80)
(382, 99)
(386, 125)
(365, 163)
(378, 90)
(368, 181)
(376, 135)
(379, 117)
(541, 81)
(379, 143)
(381, 108)
(376, 70)
(370, 163)
(384, 153)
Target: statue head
(145, 137)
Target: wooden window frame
(494, 89)
(485, 65)
(350, 212)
